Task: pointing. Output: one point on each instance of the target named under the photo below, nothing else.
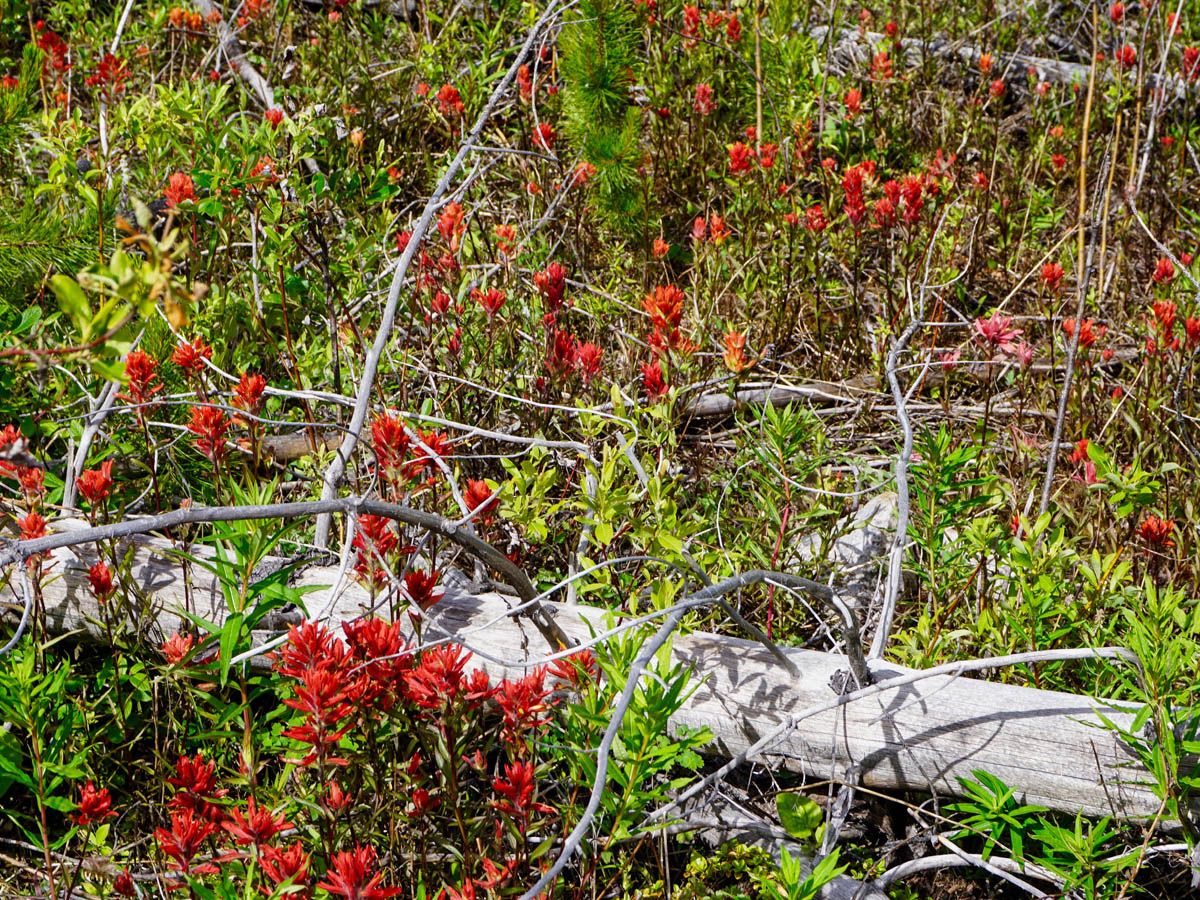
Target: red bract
(451, 225)
(176, 648)
(323, 699)
(1052, 276)
(390, 442)
(274, 117)
(421, 587)
(735, 351)
(544, 136)
(741, 158)
(525, 82)
(997, 331)
(718, 231)
(32, 526)
(352, 875)
(449, 101)
(1164, 271)
(910, 194)
(180, 188)
(375, 542)
(209, 425)
(703, 104)
(517, 787)
(853, 101)
(654, 385)
(437, 680)
(382, 649)
(665, 306)
(310, 646)
(478, 496)
(1191, 327)
(184, 840)
(95, 485)
(576, 668)
(853, 181)
(1089, 332)
(190, 356)
(491, 300)
(1116, 13)
(1157, 532)
(123, 885)
(287, 868)
(588, 360)
(256, 826)
(249, 393)
(523, 703)
(1191, 63)
(1127, 56)
(142, 372)
(94, 806)
(110, 76)
(101, 581)
(814, 219)
(1164, 316)
(551, 283)
(436, 446)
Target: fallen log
(923, 736)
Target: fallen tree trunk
(921, 736)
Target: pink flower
(703, 104)
(997, 331)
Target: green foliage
(598, 64)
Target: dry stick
(952, 669)
(952, 860)
(337, 467)
(1085, 277)
(18, 551)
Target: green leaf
(800, 815)
(73, 301)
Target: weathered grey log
(1049, 746)
(856, 46)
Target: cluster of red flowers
(743, 156)
(399, 459)
(694, 25)
(180, 18)
(32, 482)
(664, 305)
(713, 229)
(180, 189)
(110, 77)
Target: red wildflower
(853, 180)
(123, 885)
(1164, 315)
(142, 372)
(310, 646)
(1164, 271)
(180, 189)
(544, 136)
(517, 789)
(735, 351)
(577, 667)
(589, 360)
(390, 441)
(286, 868)
(382, 647)
(1052, 276)
(766, 155)
(256, 826)
(986, 61)
(176, 648)
(814, 219)
(997, 331)
(718, 231)
(491, 300)
(436, 446)
(853, 101)
(654, 385)
(525, 82)
(1191, 327)
(451, 224)
(1089, 332)
(101, 581)
(741, 158)
(704, 103)
(997, 88)
(273, 116)
(733, 29)
(110, 76)
(1127, 56)
(374, 541)
(95, 485)
(478, 496)
(209, 425)
(1191, 63)
(1116, 13)
(450, 101)
(322, 697)
(190, 356)
(422, 589)
(249, 392)
(910, 193)
(881, 66)
(437, 681)
(1157, 532)
(32, 525)
(665, 306)
(352, 875)
(184, 840)
(551, 283)
(94, 806)
(1058, 161)
(523, 704)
